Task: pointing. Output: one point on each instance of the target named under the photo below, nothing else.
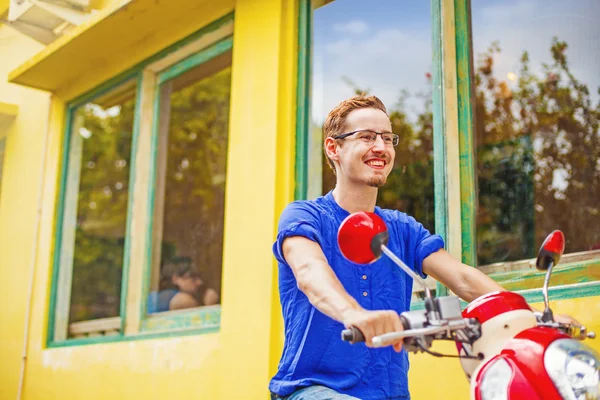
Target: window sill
(197, 321)
(555, 293)
(565, 273)
(201, 318)
(530, 263)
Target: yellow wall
(18, 202)
(260, 173)
(238, 361)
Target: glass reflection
(101, 152)
(537, 115)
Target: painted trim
(565, 292)
(201, 319)
(303, 97)
(150, 197)
(555, 293)
(59, 226)
(194, 60)
(130, 338)
(130, 203)
(132, 73)
(562, 274)
(439, 136)
(462, 13)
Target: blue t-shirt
(314, 353)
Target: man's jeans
(315, 393)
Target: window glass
(97, 201)
(384, 51)
(537, 135)
(189, 198)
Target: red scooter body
(524, 356)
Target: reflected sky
(382, 49)
(387, 48)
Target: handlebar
(419, 331)
(352, 335)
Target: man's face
(358, 160)
(187, 283)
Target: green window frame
(573, 277)
(207, 43)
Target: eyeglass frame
(395, 137)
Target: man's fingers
(377, 323)
(397, 326)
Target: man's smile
(376, 163)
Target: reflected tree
(106, 134)
(538, 158)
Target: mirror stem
(405, 268)
(547, 315)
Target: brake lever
(578, 332)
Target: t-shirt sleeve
(298, 219)
(425, 244)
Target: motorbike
(506, 350)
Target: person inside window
(181, 287)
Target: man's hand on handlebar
(374, 323)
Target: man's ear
(331, 149)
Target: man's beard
(377, 181)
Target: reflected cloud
(355, 27)
(384, 62)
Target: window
(92, 252)
(536, 132)
(141, 213)
(190, 187)
(385, 51)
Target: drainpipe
(34, 248)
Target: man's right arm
(316, 279)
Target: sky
(385, 46)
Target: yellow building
(141, 139)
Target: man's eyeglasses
(367, 136)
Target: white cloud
(530, 25)
(355, 27)
(386, 61)
(383, 62)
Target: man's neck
(353, 198)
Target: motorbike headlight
(574, 368)
(495, 381)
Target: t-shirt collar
(339, 211)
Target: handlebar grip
(405, 323)
(352, 335)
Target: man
(321, 292)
